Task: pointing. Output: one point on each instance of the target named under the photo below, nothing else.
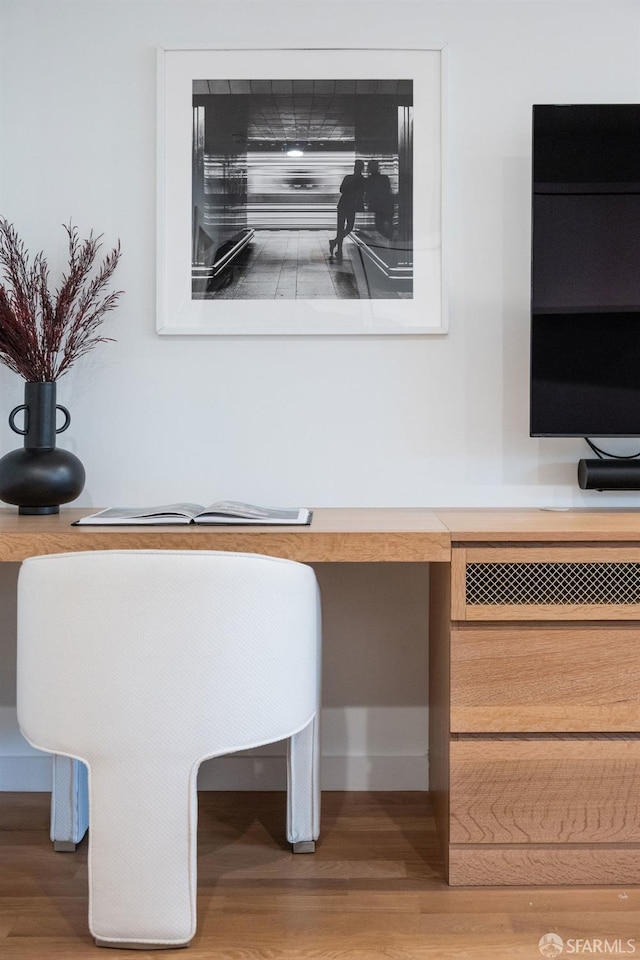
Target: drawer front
(509, 791)
(546, 583)
(581, 677)
(527, 864)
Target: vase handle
(12, 419)
(25, 407)
(67, 418)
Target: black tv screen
(585, 271)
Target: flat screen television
(585, 271)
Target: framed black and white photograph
(300, 192)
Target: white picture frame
(404, 295)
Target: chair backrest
(203, 652)
(143, 664)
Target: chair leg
(142, 854)
(69, 803)
(304, 846)
(64, 846)
(303, 788)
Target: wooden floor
(372, 891)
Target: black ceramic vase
(39, 477)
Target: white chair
(143, 664)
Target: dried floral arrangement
(42, 333)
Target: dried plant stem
(43, 334)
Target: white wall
(440, 421)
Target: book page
(231, 508)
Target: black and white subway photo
(302, 189)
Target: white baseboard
(22, 768)
(26, 774)
(337, 773)
(363, 749)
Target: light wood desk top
(359, 535)
(356, 535)
(531, 524)
(351, 535)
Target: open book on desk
(223, 512)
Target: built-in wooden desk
(534, 668)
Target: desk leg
(69, 803)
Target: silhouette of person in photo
(351, 202)
(379, 199)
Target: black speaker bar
(609, 474)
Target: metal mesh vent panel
(561, 583)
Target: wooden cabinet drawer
(545, 791)
(545, 677)
(545, 582)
